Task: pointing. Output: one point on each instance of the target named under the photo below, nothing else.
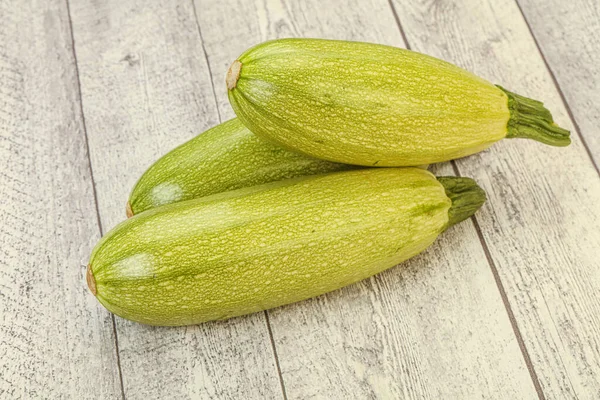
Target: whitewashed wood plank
(54, 341)
(541, 220)
(433, 327)
(146, 88)
(568, 34)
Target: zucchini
(375, 105)
(225, 157)
(260, 247)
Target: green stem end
(467, 197)
(530, 119)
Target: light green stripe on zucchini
(256, 248)
(375, 105)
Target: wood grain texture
(432, 327)
(54, 340)
(568, 33)
(541, 221)
(146, 88)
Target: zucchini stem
(129, 210)
(467, 197)
(233, 74)
(530, 119)
(91, 281)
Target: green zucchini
(260, 247)
(375, 105)
(225, 157)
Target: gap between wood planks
(490, 260)
(95, 194)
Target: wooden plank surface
(541, 221)
(146, 88)
(568, 34)
(54, 340)
(432, 327)
(151, 77)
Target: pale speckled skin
(225, 157)
(256, 248)
(366, 104)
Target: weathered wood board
(55, 342)
(504, 306)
